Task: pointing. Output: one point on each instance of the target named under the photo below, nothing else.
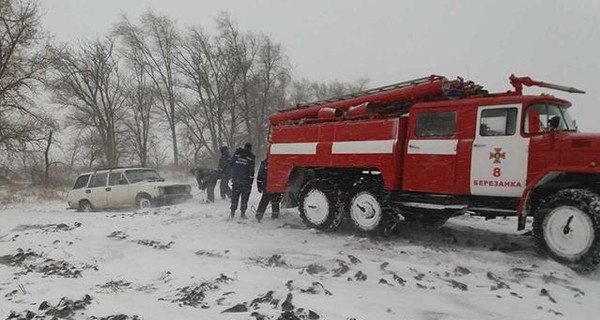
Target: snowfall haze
(392, 41)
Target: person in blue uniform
(242, 177)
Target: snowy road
(190, 262)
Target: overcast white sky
(389, 41)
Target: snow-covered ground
(190, 261)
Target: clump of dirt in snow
(47, 228)
(115, 317)
(353, 259)
(119, 235)
(315, 288)
(34, 262)
(65, 309)
(240, 307)
(341, 269)
(399, 280)
(360, 276)
(459, 285)
(267, 298)
(115, 286)
(155, 244)
(272, 261)
(18, 258)
(461, 271)
(195, 295)
(207, 253)
(314, 268)
(499, 283)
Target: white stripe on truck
(363, 147)
(294, 148)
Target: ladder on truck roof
(388, 87)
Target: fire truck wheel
(567, 227)
(318, 205)
(365, 208)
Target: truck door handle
(413, 146)
(477, 145)
(88, 191)
(108, 189)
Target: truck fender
(524, 205)
(524, 208)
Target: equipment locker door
(500, 152)
(430, 161)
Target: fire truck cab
(431, 148)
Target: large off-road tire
(366, 207)
(567, 227)
(143, 201)
(318, 205)
(85, 206)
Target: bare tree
(209, 76)
(155, 43)
(263, 89)
(24, 60)
(88, 81)
(141, 101)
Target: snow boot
(232, 213)
(274, 215)
(259, 216)
(243, 216)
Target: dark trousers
(225, 189)
(273, 198)
(210, 190)
(240, 190)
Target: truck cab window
(498, 122)
(548, 117)
(436, 124)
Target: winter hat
(223, 148)
(248, 146)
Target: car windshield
(548, 117)
(142, 175)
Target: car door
(500, 152)
(117, 191)
(431, 152)
(79, 189)
(97, 190)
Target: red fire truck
(431, 148)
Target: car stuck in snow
(124, 187)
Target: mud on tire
(319, 205)
(567, 227)
(85, 206)
(366, 207)
(143, 201)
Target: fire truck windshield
(548, 117)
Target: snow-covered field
(190, 261)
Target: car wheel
(85, 206)
(144, 201)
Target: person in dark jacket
(242, 176)
(272, 197)
(225, 172)
(207, 179)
